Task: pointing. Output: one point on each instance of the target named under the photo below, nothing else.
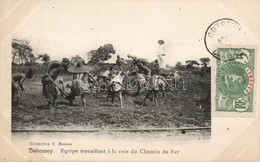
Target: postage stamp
(235, 80)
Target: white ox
(231, 80)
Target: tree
(204, 61)
(179, 66)
(190, 64)
(32, 58)
(74, 60)
(101, 54)
(21, 51)
(45, 58)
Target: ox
(233, 80)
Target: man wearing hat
(48, 81)
(119, 61)
(80, 84)
(161, 54)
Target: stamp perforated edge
(213, 86)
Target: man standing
(119, 61)
(161, 55)
(48, 85)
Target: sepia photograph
(128, 80)
(66, 81)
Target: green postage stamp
(235, 80)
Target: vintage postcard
(129, 80)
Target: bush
(36, 68)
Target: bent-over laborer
(136, 61)
(53, 70)
(17, 83)
(144, 73)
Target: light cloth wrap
(117, 81)
(78, 86)
(141, 79)
(161, 57)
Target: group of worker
(55, 67)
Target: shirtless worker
(17, 83)
(53, 70)
(144, 73)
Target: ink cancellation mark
(223, 31)
(235, 80)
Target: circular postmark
(232, 79)
(223, 32)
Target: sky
(69, 28)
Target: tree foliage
(44, 57)
(75, 59)
(190, 64)
(178, 64)
(205, 61)
(22, 52)
(101, 54)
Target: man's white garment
(118, 79)
(106, 73)
(161, 56)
